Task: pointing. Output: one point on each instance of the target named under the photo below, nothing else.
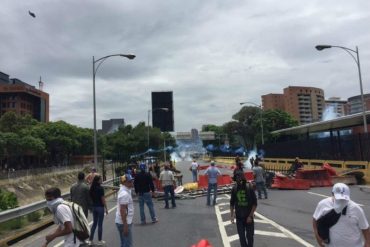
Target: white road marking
(317, 194)
(225, 240)
(90, 223)
(284, 233)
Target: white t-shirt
(64, 214)
(124, 197)
(194, 166)
(348, 230)
(166, 177)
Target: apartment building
(22, 98)
(305, 104)
(354, 103)
(339, 107)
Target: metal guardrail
(24, 210)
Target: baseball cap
(341, 191)
(126, 178)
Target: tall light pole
(153, 110)
(261, 124)
(357, 61)
(95, 69)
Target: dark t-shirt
(96, 196)
(243, 199)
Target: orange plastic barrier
(330, 169)
(221, 180)
(283, 182)
(202, 243)
(317, 177)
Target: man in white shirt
(352, 227)
(168, 183)
(194, 170)
(62, 217)
(125, 210)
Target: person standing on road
(259, 178)
(125, 210)
(62, 216)
(80, 193)
(194, 168)
(144, 188)
(99, 204)
(238, 171)
(212, 172)
(168, 183)
(243, 204)
(352, 227)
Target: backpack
(81, 228)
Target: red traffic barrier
(221, 180)
(202, 243)
(284, 182)
(317, 177)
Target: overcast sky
(213, 54)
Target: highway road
(285, 219)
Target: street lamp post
(95, 69)
(261, 124)
(357, 61)
(153, 110)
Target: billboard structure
(162, 111)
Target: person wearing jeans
(212, 172)
(168, 183)
(144, 188)
(243, 204)
(125, 211)
(99, 204)
(194, 170)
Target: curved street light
(153, 110)
(95, 69)
(357, 61)
(261, 124)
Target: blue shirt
(212, 173)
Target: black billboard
(162, 111)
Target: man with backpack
(67, 216)
(243, 204)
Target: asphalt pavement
(285, 219)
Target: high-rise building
(112, 125)
(338, 106)
(22, 98)
(305, 104)
(273, 101)
(354, 103)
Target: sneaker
(154, 221)
(100, 243)
(87, 243)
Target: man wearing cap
(144, 188)
(125, 210)
(351, 227)
(212, 172)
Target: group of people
(337, 221)
(89, 194)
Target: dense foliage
(245, 128)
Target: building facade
(305, 104)
(112, 125)
(273, 101)
(354, 103)
(22, 98)
(338, 106)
